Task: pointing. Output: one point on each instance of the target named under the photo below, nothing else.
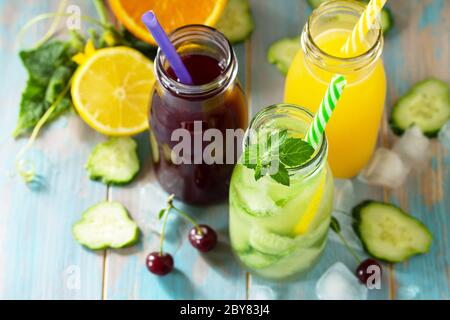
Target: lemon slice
(312, 209)
(111, 91)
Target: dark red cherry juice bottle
(195, 114)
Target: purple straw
(152, 24)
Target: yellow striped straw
(365, 23)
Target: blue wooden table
(39, 258)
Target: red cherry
(159, 264)
(362, 271)
(203, 237)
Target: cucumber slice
(282, 52)
(114, 161)
(106, 225)
(427, 105)
(270, 243)
(388, 233)
(257, 260)
(387, 18)
(236, 22)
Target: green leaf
(295, 152)
(49, 70)
(282, 175)
(250, 157)
(276, 147)
(258, 172)
(335, 225)
(161, 213)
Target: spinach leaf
(50, 68)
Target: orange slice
(172, 14)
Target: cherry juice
(214, 101)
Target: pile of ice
(390, 168)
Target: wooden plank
(38, 256)
(419, 48)
(215, 275)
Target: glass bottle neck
(297, 121)
(331, 22)
(198, 40)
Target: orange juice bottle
(353, 129)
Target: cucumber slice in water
(282, 52)
(106, 225)
(257, 260)
(388, 233)
(270, 243)
(427, 105)
(114, 161)
(236, 22)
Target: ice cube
(413, 148)
(344, 195)
(263, 293)
(386, 169)
(339, 283)
(444, 135)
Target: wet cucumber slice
(282, 52)
(270, 243)
(388, 233)
(106, 225)
(387, 19)
(236, 22)
(114, 161)
(426, 104)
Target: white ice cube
(413, 147)
(339, 283)
(344, 195)
(444, 135)
(263, 293)
(386, 169)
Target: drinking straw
(326, 108)
(369, 16)
(161, 38)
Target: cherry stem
(163, 232)
(354, 254)
(187, 217)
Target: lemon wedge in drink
(111, 91)
(312, 209)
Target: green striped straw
(327, 107)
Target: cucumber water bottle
(279, 231)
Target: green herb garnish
(274, 153)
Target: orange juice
(353, 128)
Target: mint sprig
(274, 153)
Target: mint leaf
(282, 175)
(258, 172)
(295, 152)
(276, 147)
(250, 157)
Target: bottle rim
(349, 7)
(210, 36)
